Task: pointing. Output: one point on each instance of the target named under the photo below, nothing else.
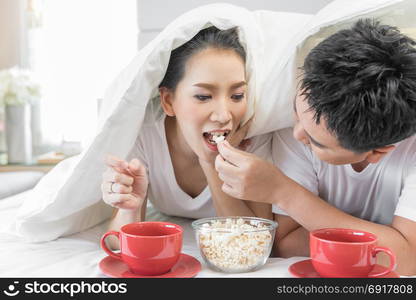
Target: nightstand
(33, 166)
(26, 167)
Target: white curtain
(76, 52)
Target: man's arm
(312, 213)
(226, 205)
(246, 175)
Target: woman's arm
(122, 217)
(224, 204)
(124, 187)
(228, 206)
(291, 238)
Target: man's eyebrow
(313, 141)
(294, 105)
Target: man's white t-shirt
(164, 193)
(376, 194)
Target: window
(78, 48)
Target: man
(350, 160)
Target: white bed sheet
(78, 255)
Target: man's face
(316, 136)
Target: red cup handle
(392, 261)
(104, 246)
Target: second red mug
(338, 252)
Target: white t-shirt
(375, 194)
(165, 194)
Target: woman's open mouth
(212, 138)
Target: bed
(78, 255)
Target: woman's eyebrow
(238, 84)
(206, 85)
(214, 87)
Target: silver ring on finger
(111, 188)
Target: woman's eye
(237, 97)
(202, 97)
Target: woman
(203, 96)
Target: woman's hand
(236, 139)
(124, 184)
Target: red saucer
(305, 269)
(186, 267)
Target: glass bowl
(235, 244)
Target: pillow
(16, 182)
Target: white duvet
(67, 200)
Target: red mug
(148, 248)
(338, 252)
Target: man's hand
(246, 176)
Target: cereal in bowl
(235, 245)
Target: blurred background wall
(11, 29)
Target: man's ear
(166, 99)
(377, 154)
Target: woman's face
(210, 99)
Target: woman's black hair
(210, 37)
(362, 81)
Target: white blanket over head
(68, 199)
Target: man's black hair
(362, 81)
